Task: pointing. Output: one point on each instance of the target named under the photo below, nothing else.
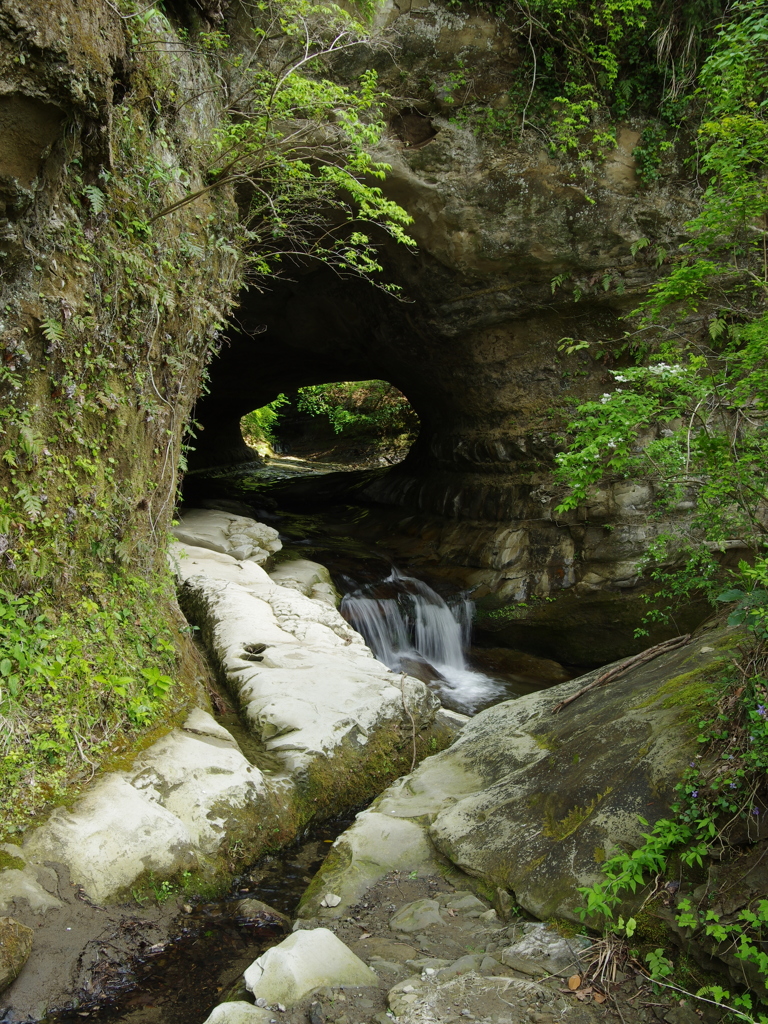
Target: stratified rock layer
(509, 237)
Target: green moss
(355, 774)
(547, 741)
(650, 929)
(693, 689)
(7, 860)
(568, 929)
(564, 827)
(598, 854)
(105, 335)
(336, 863)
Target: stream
(419, 627)
(412, 629)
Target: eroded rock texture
(534, 802)
(474, 343)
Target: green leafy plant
(258, 426)
(298, 145)
(587, 63)
(371, 406)
(721, 790)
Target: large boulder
(238, 536)
(533, 802)
(239, 1012)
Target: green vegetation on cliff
(691, 415)
(698, 395)
(189, 161)
(585, 65)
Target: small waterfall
(412, 629)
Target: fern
(558, 281)
(96, 199)
(636, 246)
(31, 503)
(53, 330)
(31, 441)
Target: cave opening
(474, 502)
(350, 425)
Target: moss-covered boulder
(15, 947)
(533, 801)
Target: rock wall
(107, 319)
(509, 237)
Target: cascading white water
(404, 622)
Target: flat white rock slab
(233, 535)
(305, 678)
(170, 808)
(239, 1012)
(111, 837)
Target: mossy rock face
(15, 947)
(545, 809)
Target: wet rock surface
(15, 947)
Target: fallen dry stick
(625, 666)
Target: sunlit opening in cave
(350, 423)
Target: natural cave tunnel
(503, 253)
(483, 383)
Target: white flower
(621, 378)
(606, 398)
(660, 369)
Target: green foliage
(693, 419)
(74, 681)
(585, 62)
(751, 606)
(722, 788)
(296, 146)
(258, 426)
(105, 333)
(728, 247)
(695, 426)
(367, 406)
(649, 152)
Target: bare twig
(625, 666)
(413, 721)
